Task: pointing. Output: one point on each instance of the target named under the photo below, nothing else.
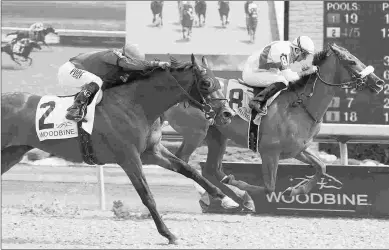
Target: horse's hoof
(249, 206)
(173, 240)
(288, 192)
(228, 203)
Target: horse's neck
(153, 95)
(322, 96)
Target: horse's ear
(193, 59)
(204, 61)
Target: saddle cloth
(239, 96)
(50, 121)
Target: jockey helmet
(305, 44)
(132, 50)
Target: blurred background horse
(156, 8)
(224, 10)
(40, 37)
(201, 10)
(187, 20)
(21, 49)
(251, 11)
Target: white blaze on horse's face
(367, 71)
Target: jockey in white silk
(252, 9)
(276, 65)
(35, 28)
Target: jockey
(98, 67)
(271, 66)
(19, 45)
(252, 8)
(35, 28)
(187, 7)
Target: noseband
(203, 105)
(358, 81)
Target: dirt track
(64, 215)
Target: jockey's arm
(131, 64)
(251, 72)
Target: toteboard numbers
(362, 27)
(42, 124)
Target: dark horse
(127, 128)
(224, 10)
(28, 34)
(251, 21)
(156, 8)
(292, 121)
(201, 10)
(23, 57)
(187, 21)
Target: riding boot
(77, 111)
(259, 101)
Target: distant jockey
(90, 70)
(35, 28)
(275, 66)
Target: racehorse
(156, 8)
(224, 10)
(201, 10)
(23, 57)
(187, 24)
(292, 121)
(127, 128)
(39, 38)
(251, 22)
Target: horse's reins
(358, 81)
(205, 107)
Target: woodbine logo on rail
(332, 197)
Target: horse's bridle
(358, 81)
(210, 114)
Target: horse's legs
(187, 148)
(164, 158)
(12, 155)
(213, 169)
(153, 21)
(160, 16)
(133, 169)
(307, 156)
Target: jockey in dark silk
(92, 69)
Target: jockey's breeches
(69, 75)
(263, 78)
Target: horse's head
(355, 74)
(204, 89)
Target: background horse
(187, 23)
(23, 57)
(293, 120)
(127, 128)
(224, 10)
(251, 22)
(28, 34)
(156, 8)
(201, 10)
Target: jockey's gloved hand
(312, 69)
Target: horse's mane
(179, 65)
(137, 75)
(318, 59)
